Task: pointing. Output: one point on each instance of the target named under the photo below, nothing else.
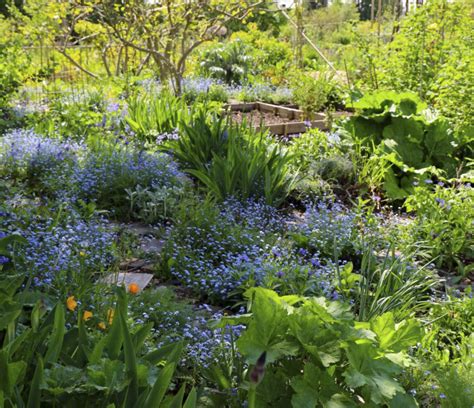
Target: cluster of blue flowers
(206, 257)
(329, 228)
(175, 321)
(43, 161)
(58, 250)
(71, 171)
(242, 247)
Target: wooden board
(292, 128)
(126, 278)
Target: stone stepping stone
(126, 278)
(152, 245)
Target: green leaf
(130, 362)
(10, 373)
(169, 353)
(57, 336)
(34, 397)
(161, 386)
(395, 337)
(191, 400)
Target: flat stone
(152, 245)
(126, 278)
(139, 229)
(124, 265)
(148, 268)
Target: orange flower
(101, 326)
(71, 303)
(133, 288)
(86, 316)
(110, 315)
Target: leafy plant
(308, 352)
(45, 363)
(422, 143)
(231, 160)
(386, 283)
(313, 95)
(444, 219)
(228, 62)
(150, 116)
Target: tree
(167, 31)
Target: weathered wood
(243, 107)
(292, 128)
(127, 278)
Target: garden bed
(278, 120)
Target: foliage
(444, 374)
(315, 94)
(323, 162)
(233, 161)
(444, 219)
(148, 117)
(432, 55)
(386, 283)
(310, 352)
(228, 62)
(271, 58)
(422, 142)
(147, 28)
(44, 362)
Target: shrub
(309, 351)
(313, 95)
(421, 142)
(444, 220)
(232, 161)
(229, 62)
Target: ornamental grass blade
(57, 336)
(34, 397)
(130, 362)
(191, 400)
(160, 387)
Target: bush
(421, 142)
(313, 95)
(232, 161)
(229, 62)
(444, 220)
(309, 351)
(104, 173)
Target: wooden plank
(127, 278)
(282, 110)
(319, 124)
(290, 128)
(319, 116)
(244, 107)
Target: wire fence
(71, 72)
